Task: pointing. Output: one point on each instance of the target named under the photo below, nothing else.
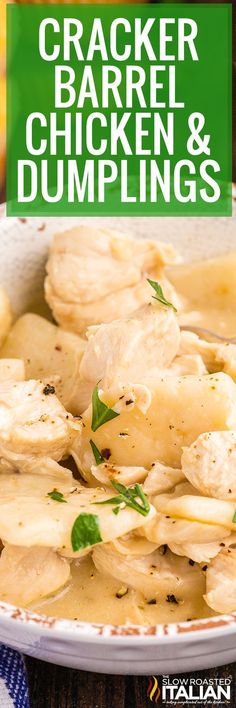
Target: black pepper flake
(222, 544)
(172, 598)
(48, 389)
(106, 453)
(191, 562)
(152, 601)
(127, 403)
(204, 567)
(163, 549)
(123, 435)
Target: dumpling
(221, 582)
(97, 275)
(156, 424)
(50, 354)
(29, 574)
(166, 529)
(210, 464)
(210, 282)
(202, 552)
(33, 424)
(184, 505)
(42, 521)
(36, 485)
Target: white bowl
(185, 646)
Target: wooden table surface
(57, 687)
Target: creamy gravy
(91, 597)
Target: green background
(204, 86)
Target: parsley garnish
(97, 454)
(128, 496)
(234, 518)
(85, 531)
(100, 412)
(57, 496)
(159, 294)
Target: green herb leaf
(100, 412)
(57, 496)
(234, 518)
(85, 531)
(129, 496)
(159, 294)
(97, 454)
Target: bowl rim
(83, 631)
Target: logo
(153, 691)
(206, 691)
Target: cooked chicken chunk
(105, 473)
(49, 354)
(221, 582)
(5, 315)
(12, 370)
(210, 464)
(30, 521)
(216, 355)
(155, 425)
(202, 552)
(129, 350)
(187, 364)
(33, 424)
(96, 275)
(155, 575)
(29, 574)
(161, 478)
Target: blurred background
(3, 76)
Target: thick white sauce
(91, 597)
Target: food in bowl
(118, 435)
